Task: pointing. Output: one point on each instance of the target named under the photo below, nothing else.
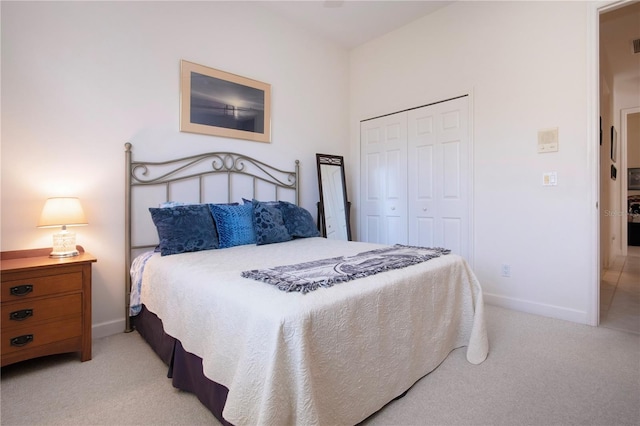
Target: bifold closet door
(383, 168)
(438, 176)
(414, 179)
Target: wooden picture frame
(633, 179)
(614, 144)
(600, 130)
(218, 103)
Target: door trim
(594, 9)
(417, 107)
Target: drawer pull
(21, 290)
(22, 340)
(21, 315)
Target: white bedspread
(332, 356)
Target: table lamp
(62, 211)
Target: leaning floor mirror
(333, 209)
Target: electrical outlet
(505, 270)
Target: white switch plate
(550, 179)
(548, 140)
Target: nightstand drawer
(27, 312)
(31, 337)
(27, 287)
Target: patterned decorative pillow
(184, 229)
(234, 223)
(298, 221)
(268, 223)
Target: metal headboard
(194, 170)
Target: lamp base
(64, 254)
(64, 245)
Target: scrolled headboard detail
(207, 177)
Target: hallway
(620, 293)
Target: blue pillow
(268, 223)
(184, 229)
(299, 222)
(234, 223)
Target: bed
(258, 353)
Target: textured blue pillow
(234, 223)
(268, 223)
(184, 229)
(299, 222)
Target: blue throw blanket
(309, 276)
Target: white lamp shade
(62, 211)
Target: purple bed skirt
(185, 369)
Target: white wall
(524, 65)
(79, 79)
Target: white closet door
(383, 158)
(438, 168)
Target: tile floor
(620, 293)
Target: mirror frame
(332, 160)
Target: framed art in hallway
(601, 130)
(614, 143)
(218, 103)
(633, 179)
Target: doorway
(617, 287)
(620, 281)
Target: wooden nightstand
(45, 304)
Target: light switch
(548, 140)
(550, 179)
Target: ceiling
(617, 30)
(351, 23)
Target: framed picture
(614, 144)
(600, 130)
(614, 172)
(217, 103)
(633, 179)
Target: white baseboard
(541, 309)
(108, 328)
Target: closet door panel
(421, 195)
(423, 176)
(451, 170)
(454, 139)
(452, 234)
(384, 179)
(371, 187)
(442, 129)
(372, 229)
(425, 233)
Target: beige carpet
(620, 293)
(539, 371)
